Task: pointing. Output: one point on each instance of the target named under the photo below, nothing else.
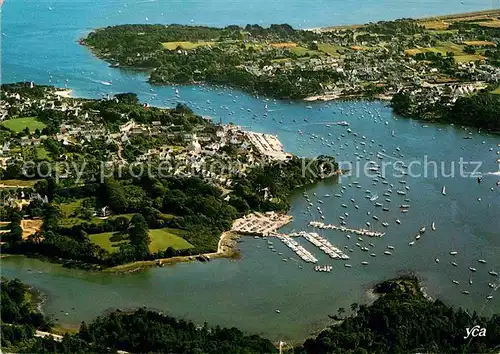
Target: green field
(333, 50)
(467, 58)
(161, 239)
(17, 125)
(186, 45)
(42, 154)
(18, 182)
(301, 51)
(496, 91)
(68, 220)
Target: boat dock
(323, 244)
(361, 232)
(298, 249)
(260, 224)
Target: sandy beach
(65, 93)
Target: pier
(361, 232)
(298, 249)
(323, 244)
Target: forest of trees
(479, 110)
(140, 331)
(402, 320)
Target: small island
(440, 69)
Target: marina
(304, 254)
(260, 224)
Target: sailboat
(433, 226)
(443, 191)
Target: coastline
(67, 93)
(226, 248)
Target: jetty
(322, 243)
(260, 224)
(361, 232)
(298, 249)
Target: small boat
(385, 224)
(453, 253)
(433, 226)
(492, 272)
(390, 247)
(347, 265)
(437, 260)
(278, 311)
(481, 261)
(344, 206)
(373, 255)
(472, 269)
(398, 222)
(387, 253)
(455, 282)
(489, 297)
(375, 217)
(422, 229)
(364, 263)
(443, 191)
(470, 281)
(417, 237)
(465, 292)
(491, 285)
(411, 243)
(454, 264)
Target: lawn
(42, 154)
(301, 51)
(436, 25)
(496, 91)
(284, 45)
(333, 50)
(480, 43)
(17, 125)
(161, 239)
(492, 23)
(467, 58)
(18, 182)
(186, 45)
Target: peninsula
(102, 183)
(436, 68)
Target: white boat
(492, 272)
(417, 237)
(106, 83)
(454, 264)
(364, 263)
(411, 243)
(455, 282)
(390, 247)
(472, 269)
(453, 253)
(387, 253)
(481, 261)
(465, 292)
(398, 222)
(422, 229)
(433, 226)
(278, 311)
(437, 260)
(489, 297)
(347, 265)
(443, 191)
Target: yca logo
(475, 331)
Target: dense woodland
(479, 110)
(141, 331)
(401, 320)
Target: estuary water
(39, 43)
